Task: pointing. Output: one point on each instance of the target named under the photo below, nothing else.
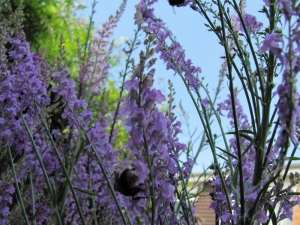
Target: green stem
(235, 118)
(18, 188)
(152, 190)
(186, 194)
(104, 173)
(254, 106)
(122, 86)
(264, 127)
(61, 163)
(253, 52)
(32, 198)
(50, 187)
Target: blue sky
(200, 45)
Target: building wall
(296, 216)
(204, 213)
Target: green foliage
(45, 21)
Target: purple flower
(94, 72)
(286, 7)
(6, 193)
(89, 176)
(267, 2)
(152, 139)
(272, 43)
(261, 216)
(172, 55)
(251, 23)
(227, 106)
(226, 217)
(205, 102)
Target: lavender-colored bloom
(272, 43)
(288, 106)
(6, 192)
(20, 89)
(286, 6)
(25, 84)
(94, 72)
(74, 110)
(172, 55)
(220, 205)
(24, 87)
(251, 23)
(205, 102)
(261, 216)
(267, 2)
(153, 135)
(287, 205)
(226, 105)
(88, 174)
(251, 193)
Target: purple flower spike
(172, 55)
(251, 23)
(272, 43)
(154, 146)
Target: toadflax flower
(173, 55)
(154, 146)
(251, 23)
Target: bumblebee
(176, 2)
(127, 183)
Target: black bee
(176, 2)
(127, 183)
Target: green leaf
(293, 158)
(234, 177)
(222, 157)
(86, 192)
(243, 134)
(226, 152)
(272, 215)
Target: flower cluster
(70, 151)
(219, 203)
(251, 23)
(23, 90)
(94, 72)
(287, 53)
(173, 55)
(275, 196)
(154, 145)
(25, 78)
(89, 176)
